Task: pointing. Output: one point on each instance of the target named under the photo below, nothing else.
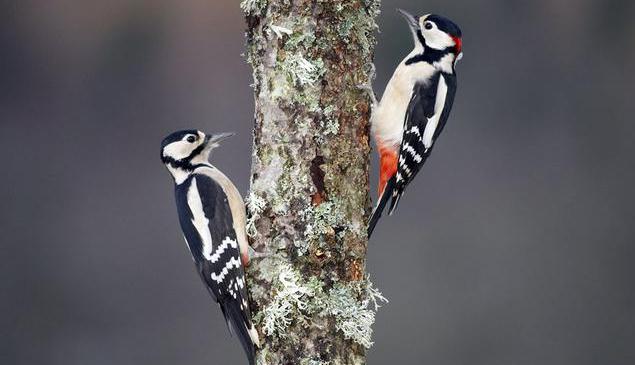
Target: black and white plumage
(212, 217)
(415, 106)
(427, 113)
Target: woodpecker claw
(368, 86)
(373, 72)
(255, 255)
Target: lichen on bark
(309, 195)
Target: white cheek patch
(437, 39)
(178, 150)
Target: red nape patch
(458, 44)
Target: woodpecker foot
(372, 73)
(255, 255)
(368, 86)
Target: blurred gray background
(515, 246)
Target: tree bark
(309, 201)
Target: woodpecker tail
(381, 204)
(245, 331)
(396, 195)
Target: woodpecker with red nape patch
(415, 106)
(212, 216)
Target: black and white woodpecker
(212, 216)
(415, 106)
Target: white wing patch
(223, 246)
(233, 262)
(415, 129)
(199, 220)
(433, 122)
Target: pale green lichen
(303, 36)
(279, 31)
(263, 356)
(359, 24)
(330, 126)
(304, 125)
(255, 206)
(329, 123)
(278, 85)
(355, 317)
(251, 7)
(288, 183)
(308, 100)
(373, 294)
(303, 71)
(321, 219)
(302, 247)
(289, 301)
(352, 305)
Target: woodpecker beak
(213, 140)
(413, 21)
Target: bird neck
(179, 173)
(181, 169)
(440, 59)
(201, 159)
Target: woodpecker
(212, 216)
(415, 106)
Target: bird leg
(254, 255)
(368, 86)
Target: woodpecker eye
(191, 139)
(428, 25)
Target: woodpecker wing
(425, 118)
(207, 222)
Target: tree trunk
(309, 201)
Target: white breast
(387, 119)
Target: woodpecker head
(182, 150)
(434, 32)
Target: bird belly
(387, 121)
